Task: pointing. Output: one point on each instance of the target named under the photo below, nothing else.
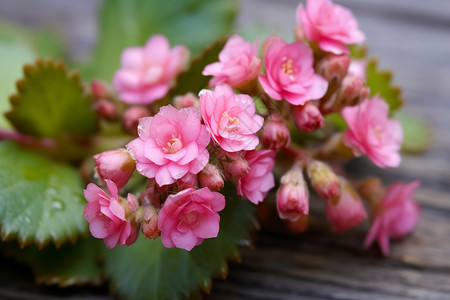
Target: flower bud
(275, 133)
(149, 225)
(348, 211)
(307, 117)
(324, 180)
(188, 100)
(131, 118)
(132, 202)
(358, 67)
(211, 178)
(115, 165)
(334, 67)
(99, 90)
(106, 109)
(187, 181)
(234, 165)
(292, 196)
(352, 92)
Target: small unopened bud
(106, 109)
(353, 91)
(132, 202)
(275, 133)
(149, 225)
(334, 68)
(188, 100)
(115, 165)
(347, 211)
(358, 67)
(99, 90)
(307, 117)
(323, 179)
(187, 181)
(211, 178)
(373, 191)
(298, 32)
(234, 165)
(131, 118)
(292, 196)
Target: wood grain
(409, 36)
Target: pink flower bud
(149, 225)
(358, 68)
(348, 211)
(275, 133)
(324, 180)
(187, 181)
(307, 117)
(131, 118)
(99, 90)
(132, 202)
(397, 215)
(115, 165)
(233, 164)
(188, 100)
(211, 178)
(106, 109)
(334, 67)
(352, 92)
(292, 197)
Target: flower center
(229, 123)
(190, 219)
(174, 144)
(287, 67)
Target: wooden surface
(412, 37)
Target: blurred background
(410, 37)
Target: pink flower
(115, 165)
(185, 101)
(371, 132)
(238, 63)
(290, 73)
(106, 216)
(396, 216)
(231, 119)
(147, 72)
(170, 145)
(255, 185)
(330, 25)
(348, 211)
(292, 197)
(189, 217)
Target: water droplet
(57, 205)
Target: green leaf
(126, 23)
(358, 51)
(51, 102)
(66, 266)
(147, 270)
(40, 200)
(417, 134)
(379, 82)
(14, 52)
(192, 80)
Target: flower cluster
(235, 130)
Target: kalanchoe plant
(174, 159)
